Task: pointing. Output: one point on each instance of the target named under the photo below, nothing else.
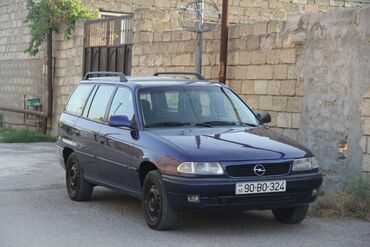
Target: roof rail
(199, 76)
(122, 77)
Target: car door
(88, 127)
(68, 132)
(116, 145)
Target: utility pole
(199, 48)
(224, 39)
(198, 53)
(50, 79)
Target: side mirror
(264, 117)
(120, 121)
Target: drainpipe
(50, 78)
(224, 39)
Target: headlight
(305, 164)
(201, 168)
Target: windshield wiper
(203, 125)
(167, 124)
(247, 124)
(214, 123)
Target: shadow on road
(236, 222)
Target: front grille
(247, 170)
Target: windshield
(206, 106)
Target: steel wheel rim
(153, 203)
(74, 177)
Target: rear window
(78, 99)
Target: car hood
(233, 144)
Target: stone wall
(23, 76)
(163, 15)
(68, 68)
(262, 10)
(310, 72)
(334, 65)
(261, 69)
(365, 126)
(20, 75)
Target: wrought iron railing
(109, 32)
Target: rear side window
(78, 99)
(88, 103)
(100, 103)
(122, 103)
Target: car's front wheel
(78, 188)
(159, 214)
(291, 215)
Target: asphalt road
(35, 211)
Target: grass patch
(8, 135)
(354, 202)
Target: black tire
(78, 188)
(292, 215)
(159, 214)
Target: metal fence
(109, 32)
(108, 44)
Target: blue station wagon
(181, 144)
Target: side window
(100, 103)
(77, 100)
(122, 103)
(206, 104)
(172, 99)
(88, 103)
(146, 96)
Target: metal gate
(108, 45)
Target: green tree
(47, 15)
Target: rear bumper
(219, 193)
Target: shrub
(46, 15)
(354, 201)
(8, 135)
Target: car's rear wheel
(159, 214)
(291, 215)
(78, 188)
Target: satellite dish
(200, 16)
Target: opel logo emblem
(259, 170)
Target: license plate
(260, 187)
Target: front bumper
(219, 193)
(60, 156)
